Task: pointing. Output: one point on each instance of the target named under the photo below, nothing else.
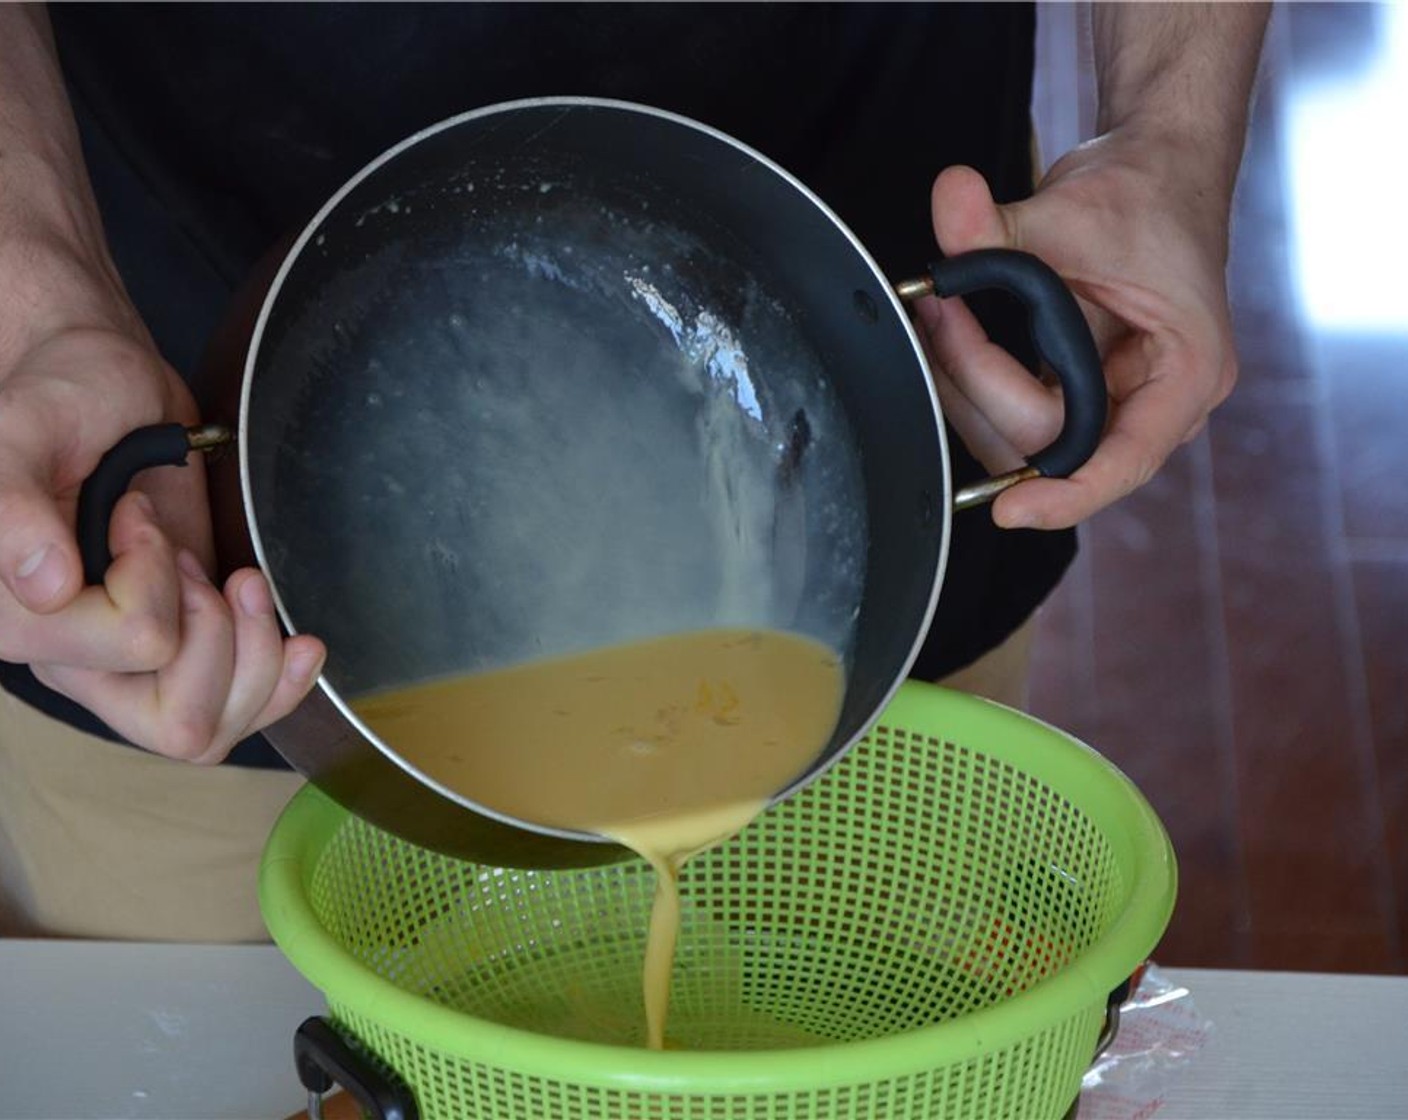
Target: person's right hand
(157, 652)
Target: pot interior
(566, 374)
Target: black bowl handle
(1063, 340)
(160, 445)
(324, 1059)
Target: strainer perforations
(924, 879)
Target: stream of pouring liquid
(669, 746)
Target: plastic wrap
(1161, 1032)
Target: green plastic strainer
(931, 929)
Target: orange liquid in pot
(670, 746)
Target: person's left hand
(1136, 227)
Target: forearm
(1182, 74)
(55, 271)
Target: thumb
(965, 215)
(38, 555)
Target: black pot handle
(159, 445)
(1062, 338)
(324, 1059)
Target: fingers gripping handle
(1062, 338)
(159, 445)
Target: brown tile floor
(1235, 636)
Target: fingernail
(187, 562)
(254, 598)
(144, 504)
(42, 575)
(304, 665)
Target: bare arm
(1180, 75)
(1136, 222)
(1181, 70)
(55, 262)
(158, 652)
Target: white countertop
(100, 1031)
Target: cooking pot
(562, 373)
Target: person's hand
(1129, 224)
(157, 652)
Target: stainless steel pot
(566, 372)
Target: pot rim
(943, 523)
